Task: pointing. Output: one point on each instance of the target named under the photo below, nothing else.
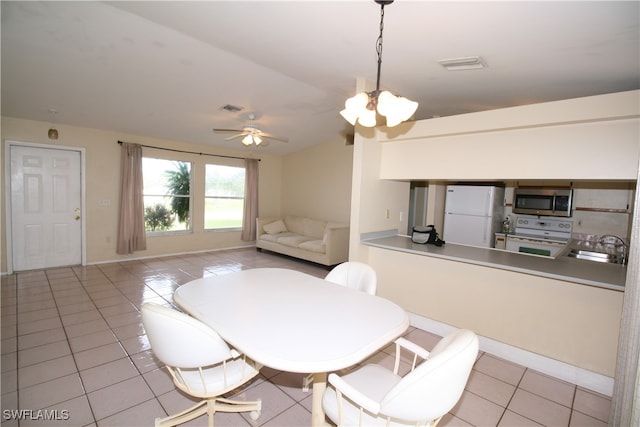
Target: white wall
(593, 138)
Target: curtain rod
(193, 152)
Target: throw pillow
(275, 227)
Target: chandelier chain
(379, 47)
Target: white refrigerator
(473, 214)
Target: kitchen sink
(595, 256)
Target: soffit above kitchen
(167, 69)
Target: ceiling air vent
(231, 108)
(466, 63)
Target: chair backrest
(181, 341)
(434, 386)
(354, 275)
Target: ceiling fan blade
(229, 130)
(277, 138)
(234, 137)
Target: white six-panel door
(46, 202)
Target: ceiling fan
(251, 134)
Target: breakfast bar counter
(602, 275)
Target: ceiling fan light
(257, 140)
(247, 140)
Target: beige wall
(376, 204)
(602, 137)
(558, 319)
(317, 182)
(102, 183)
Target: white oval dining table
(294, 322)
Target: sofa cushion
(275, 227)
(294, 241)
(294, 224)
(314, 228)
(274, 237)
(314, 246)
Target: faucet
(625, 247)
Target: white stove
(539, 235)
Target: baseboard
(157, 256)
(171, 254)
(587, 379)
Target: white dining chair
(373, 395)
(200, 362)
(353, 275)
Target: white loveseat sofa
(314, 240)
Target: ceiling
(165, 69)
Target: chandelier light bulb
(387, 103)
(354, 107)
(407, 107)
(368, 118)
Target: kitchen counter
(602, 275)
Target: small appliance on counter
(506, 225)
(473, 214)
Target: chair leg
(182, 417)
(228, 405)
(210, 407)
(306, 382)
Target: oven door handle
(536, 240)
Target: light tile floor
(73, 345)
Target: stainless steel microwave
(543, 201)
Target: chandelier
(362, 108)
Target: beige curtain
(625, 404)
(250, 200)
(131, 232)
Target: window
(224, 197)
(167, 199)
